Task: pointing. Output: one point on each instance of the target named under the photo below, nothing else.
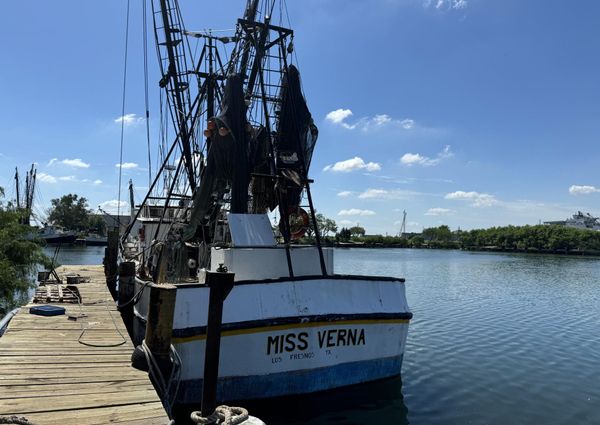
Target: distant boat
(55, 235)
(579, 221)
(94, 239)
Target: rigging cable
(123, 109)
(145, 42)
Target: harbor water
(496, 339)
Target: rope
(14, 420)
(226, 415)
(123, 109)
(168, 389)
(145, 41)
(84, 329)
(136, 298)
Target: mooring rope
(168, 389)
(15, 420)
(226, 415)
(84, 329)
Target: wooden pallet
(57, 293)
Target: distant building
(113, 221)
(578, 221)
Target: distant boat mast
(25, 202)
(403, 226)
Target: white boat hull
(291, 335)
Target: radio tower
(403, 226)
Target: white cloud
(97, 182)
(356, 211)
(582, 190)
(476, 199)
(445, 5)
(352, 164)
(386, 194)
(344, 194)
(340, 116)
(112, 206)
(75, 163)
(407, 124)
(129, 119)
(410, 159)
(415, 158)
(46, 178)
(382, 119)
(346, 223)
(438, 211)
(127, 165)
(459, 4)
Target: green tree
(326, 225)
(357, 231)
(70, 212)
(19, 258)
(344, 235)
(97, 224)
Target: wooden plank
(71, 389)
(8, 390)
(79, 401)
(148, 413)
(56, 380)
(72, 368)
(66, 358)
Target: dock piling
(110, 261)
(159, 325)
(126, 292)
(220, 284)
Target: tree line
(538, 238)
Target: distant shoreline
(572, 253)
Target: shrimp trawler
(243, 139)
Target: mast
(24, 202)
(403, 226)
(172, 78)
(131, 200)
(17, 187)
(33, 177)
(264, 49)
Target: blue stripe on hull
(294, 382)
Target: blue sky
(471, 113)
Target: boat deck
(49, 376)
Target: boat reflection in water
(379, 402)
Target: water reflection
(366, 404)
(75, 255)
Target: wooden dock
(49, 376)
